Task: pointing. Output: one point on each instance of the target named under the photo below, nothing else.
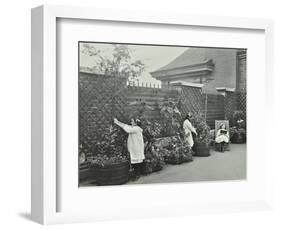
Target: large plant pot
(86, 174)
(112, 174)
(238, 139)
(178, 160)
(147, 168)
(201, 149)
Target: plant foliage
(202, 128)
(111, 147)
(119, 64)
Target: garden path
(230, 165)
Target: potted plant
(177, 152)
(170, 117)
(111, 163)
(85, 173)
(153, 161)
(238, 131)
(202, 140)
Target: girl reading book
(222, 137)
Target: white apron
(135, 143)
(222, 137)
(188, 129)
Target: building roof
(190, 84)
(191, 56)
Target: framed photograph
(138, 115)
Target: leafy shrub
(170, 117)
(111, 147)
(154, 161)
(202, 128)
(177, 151)
(239, 119)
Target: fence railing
(143, 84)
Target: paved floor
(230, 165)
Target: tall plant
(238, 118)
(170, 117)
(202, 128)
(119, 64)
(111, 147)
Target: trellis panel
(100, 99)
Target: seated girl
(222, 137)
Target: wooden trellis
(100, 99)
(242, 101)
(191, 100)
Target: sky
(153, 57)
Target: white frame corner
(43, 183)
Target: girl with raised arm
(135, 143)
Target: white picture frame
(45, 182)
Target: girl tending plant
(135, 143)
(188, 130)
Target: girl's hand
(115, 120)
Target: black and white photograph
(154, 113)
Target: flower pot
(201, 149)
(86, 174)
(112, 174)
(238, 138)
(147, 168)
(178, 160)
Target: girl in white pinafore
(222, 137)
(135, 143)
(189, 129)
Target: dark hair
(187, 117)
(137, 121)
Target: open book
(223, 131)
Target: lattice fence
(242, 101)
(235, 101)
(230, 105)
(100, 99)
(191, 100)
